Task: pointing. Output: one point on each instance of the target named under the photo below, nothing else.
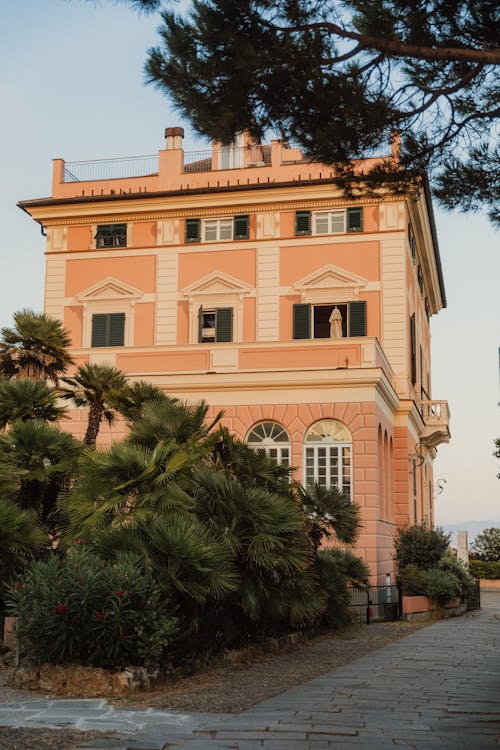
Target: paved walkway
(437, 688)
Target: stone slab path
(437, 688)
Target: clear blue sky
(72, 87)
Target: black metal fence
(474, 596)
(376, 604)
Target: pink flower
(100, 615)
(61, 608)
(120, 593)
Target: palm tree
(44, 458)
(131, 400)
(169, 419)
(36, 347)
(98, 387)
(28, 399)
(331, 515)
(19, 536)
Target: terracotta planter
(421, 604)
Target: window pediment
(109, 289)
(215, 284)
(329, 283)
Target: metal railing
(435, 412)
(375, 604)
(474, 596)
(110, 169)
(227, 157)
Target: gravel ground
(230, 688)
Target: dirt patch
(45, 739)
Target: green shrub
(412, 580)
(441, 585)
(481, 569)
(78, 608)
(487, 545)
(451, 564)
(420, 545)
(336, 571)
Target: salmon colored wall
(299, 357)
(239, 263)
(138, 272)
(79, 238)
(249, 322)
(376, 541)
(361, 258)
(73, 322)
(287, 224)
(373, 325)
(286, 316)
(182, 322)
(144, 324)
(144, 233)
(158, 362)
(370, 218)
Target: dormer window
(111, 235)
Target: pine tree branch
(396, 47)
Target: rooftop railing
(110, 169)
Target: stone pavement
(437, 688)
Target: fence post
(368, 607)
(400, 601)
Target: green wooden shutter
(354, 219)
(413, 349)
(241, 227)
(200, 323)
(116, 329)
(302, 222)
(224, 324)
(302, 321)
(193, 230)
(99, 325)
(357, 318)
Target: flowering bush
(79, 608)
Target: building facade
(245, 276)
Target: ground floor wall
(382, 466)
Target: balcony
(173, 169)
(436, 418)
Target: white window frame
(329, 443)
(331, 217)
(224, 229)
(269, 444)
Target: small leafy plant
(79, 608)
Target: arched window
(327, 454)
(271, 438)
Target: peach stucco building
(244, 275)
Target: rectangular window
(330, 222)
(218, 230)
(336, 221)
(420, 278)
(108, 329)
(111, 235)
(413, 349)
(413, 243)
(215, 325)
(329, 321)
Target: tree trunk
(95, 418)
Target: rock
(8, 658)
(24, 678)
(121, 683)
